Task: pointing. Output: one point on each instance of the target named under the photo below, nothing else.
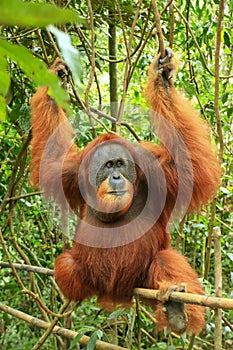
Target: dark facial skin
(112, 173)
(112, 161)
(113, 170)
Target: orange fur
(175, 267)
(179, 112)
(109, 203)
(148, 261)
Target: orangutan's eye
(109, 164)
(119, 163)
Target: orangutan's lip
(117, 193)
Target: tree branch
(30, 268)
(217, 69)
(158, 27)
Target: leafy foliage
(31, 229)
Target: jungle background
(108, 46)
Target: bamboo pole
(218, 287)
(67, 333)
(188, 298)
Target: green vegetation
(113, 43)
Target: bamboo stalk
(188, 298)
(218, 287)
(67, 333)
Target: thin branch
(123, 31)
(172, 26)
(209, 238)
(149, 315)
(53, 43)
(169, 3)
(84, 39)
(229, 324)
(92, 75)
(101, 114)
(17, 246)
(15, 198)
(49, 330)
(141, 48)
(23, 33)
(112, 67)
(84, 44)
(43, 46)
(216, 68)
(139, 6)
(191, 342)
(197, 45)
(127, 67)
(20, 283)
(159, 29)
(102, 124)
(30, 268)
(131, 130)
(149, 336)
(43, 306)
(92, 52)
(191, 70)
(21, 158)
(128, 62)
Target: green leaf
(227, 39)
(225, 97)
(69, 52)
(225, 190)
(183, 338)
(189, 88)
(92, 341)
(77, 338)
(16, 12)
(2, 108)
(4, 86)
(115, 314)
(4, 77)
(99, 333)
(230, 256)
(36, 70)
(25, 117)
